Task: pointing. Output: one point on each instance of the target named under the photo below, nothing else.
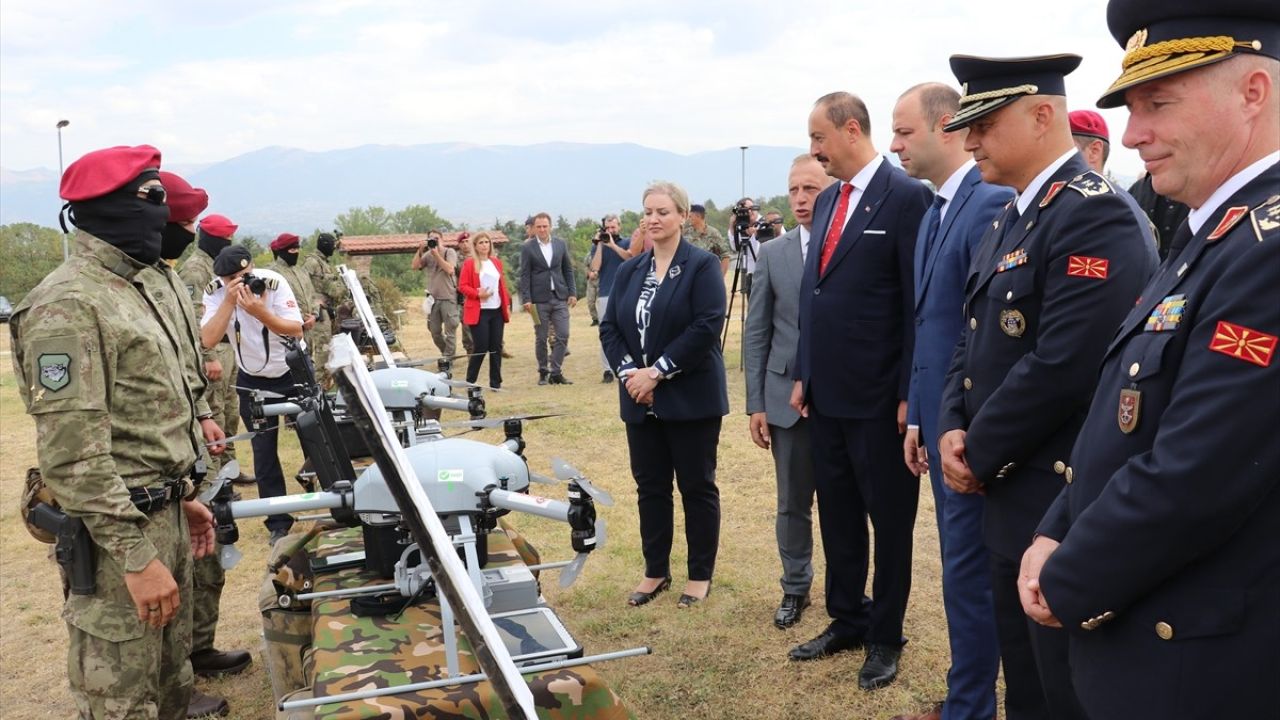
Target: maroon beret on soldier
(103, 171)
(1089, 124)
(284, 241)
(185, 202)
(218, 226)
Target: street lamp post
(66, 251)
(743, 148)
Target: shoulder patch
(272, 283)
(1266, 219)
(1090, 183)
(55, 371)
(1229, 221)
(212, 287)
(1054, 189)
(1243, 343)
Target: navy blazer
(1043, 297)
(857, 319)
(686, 317)
(535, 279)
(939, 305)
(1168, 576)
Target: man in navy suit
(852, 373)
(961, 213)
(546, 283)
(1160, 560)
(1058, 270)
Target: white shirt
(804, 244)
(1029, 194)
(489, 280)
(859, 183)
(251, 355)
(547, 250)
(1198, 217)
(951, 187)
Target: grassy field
(722, 659)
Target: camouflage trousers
(224, 403)
(207, 579)
(317, 339)
(120, 668)
(593, 293)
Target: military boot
(215, 663)
(203, 706)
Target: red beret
(218, 226)
(1089, 123)
(185, 202)
(103, 171)
(284, 241)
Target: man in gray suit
(769, 346)
(546, 283)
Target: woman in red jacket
(486, 306)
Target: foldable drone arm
(532, 504)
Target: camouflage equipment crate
(349, 653)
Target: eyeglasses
(154, 194)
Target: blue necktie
(934, 218)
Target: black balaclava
(123, 220)
(174, 240)
(289, 258)
(326, 243)
(210, 244)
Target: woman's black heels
(636, 599)
(687, 600)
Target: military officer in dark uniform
(1053, 276)
(1160, 558)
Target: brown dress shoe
(934, 714)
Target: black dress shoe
(636, 599)
(542, 378)
(829, 642)
(686, 601)
(881, 667)
(215, 663)
(559, 379)
(607, 377)
(790, 611)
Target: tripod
(743, 246)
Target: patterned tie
(837, 227)
(934, 218)
(1181, 237)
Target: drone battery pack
(510, 588)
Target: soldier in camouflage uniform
(99, 370)
(285, 248)
(208, 576)
(329, 293)
(702, 235)
(214, 233)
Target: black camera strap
(266, 344)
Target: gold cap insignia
(244, 263)
(1136, 40)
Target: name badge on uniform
(1013, 322)
(1012, 260)
(1129, 410)
(1168, 314)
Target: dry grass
(723, 659)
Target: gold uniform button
(1070, 475)
(1164, 630)
(973, 323)
(968, 384)
(1133, 369)
(1059, 467)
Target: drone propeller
(419, 362)
(571, 571)
(566, 472)
(495, 422)
(540, 478)
(265, 394)
(247, 436)
(464, 384)
(229, 471)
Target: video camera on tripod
(740, 230)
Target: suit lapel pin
(674, 271)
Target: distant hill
(276, 189)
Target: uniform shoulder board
(1266, 219)
(1090, 183)
(272, 283)
(213, 286)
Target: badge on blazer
(1089, 267)
(1168, 314)
(1129, 410)
(1013, 322)
(674, 271)
(1012, 260)
(1228, 221)
(1243, 343)
(1054, 189)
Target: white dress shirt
(1199, 216)
(252, 355)
(859, 183)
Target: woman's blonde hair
(671, 190)
(477, 238)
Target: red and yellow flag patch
(1243, 343)
(1090, 267)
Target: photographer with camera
(440, 265)
(744, 221)
(608, 251)
(254, 310)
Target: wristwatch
(654, 374)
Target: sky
(207, 81)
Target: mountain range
(278, 189)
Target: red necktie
(837, 227)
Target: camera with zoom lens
(603, 234)
(256, 285)
(432, 243)
(766, 230)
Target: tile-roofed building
(404, 244)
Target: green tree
(373, 220)
(418, 219)
(30, 252)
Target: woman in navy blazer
(661, 334)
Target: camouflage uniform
(303, 292)
(99, 372)
(329, 291)
(710, 240)
(195, 273)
